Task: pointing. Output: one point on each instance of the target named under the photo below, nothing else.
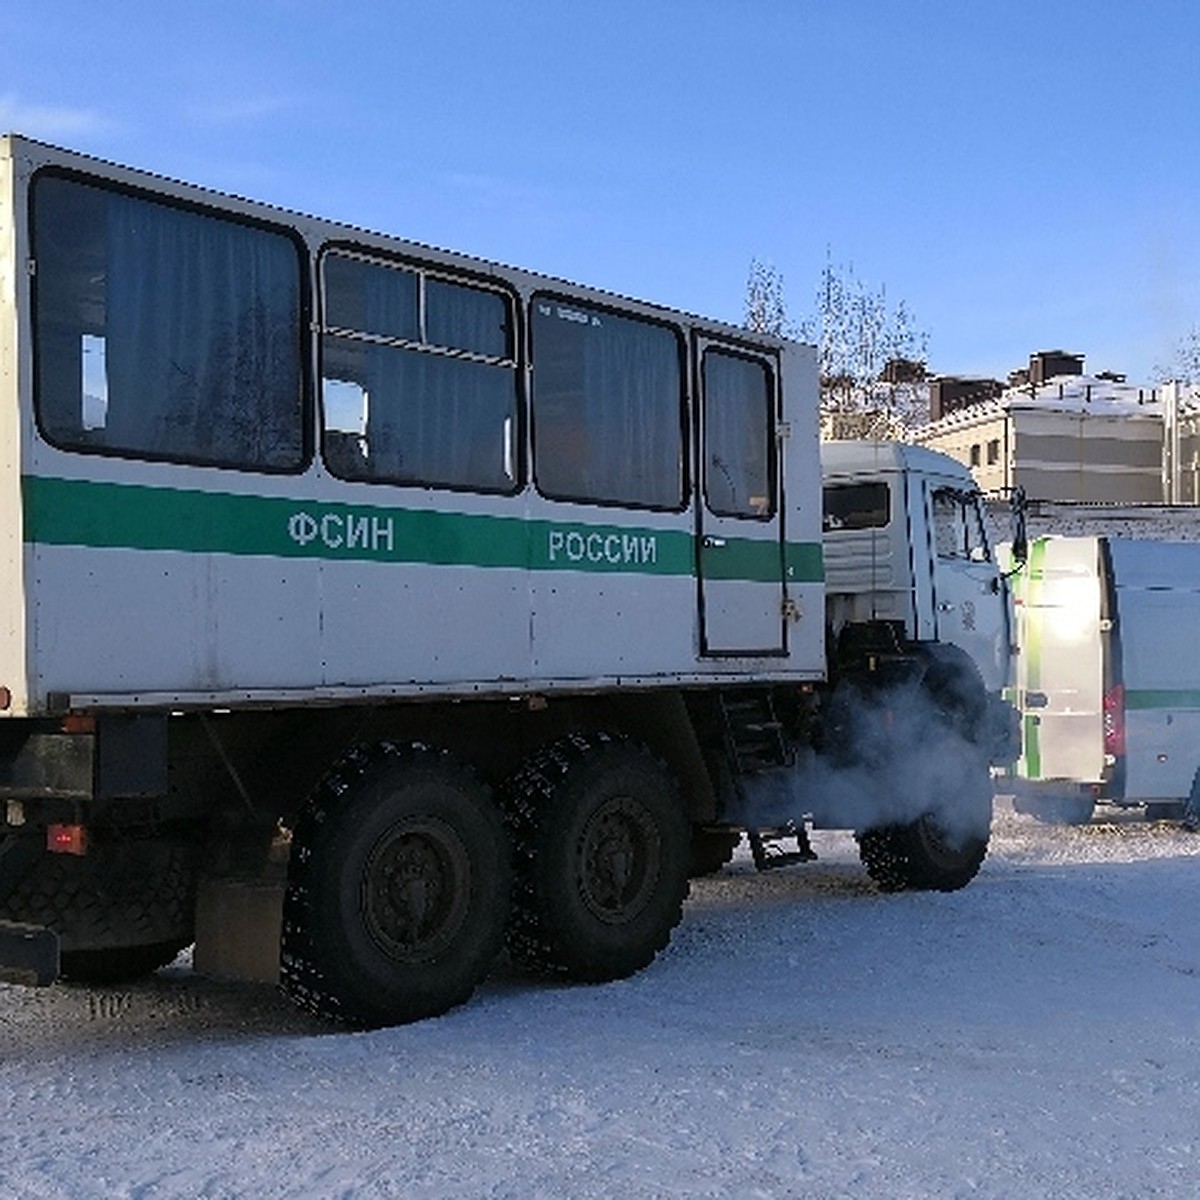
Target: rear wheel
(397, 888)
(602, 851)
(120, 911)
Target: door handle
(945, 608)
(712, 543)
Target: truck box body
(1109, 669)
(134, 578)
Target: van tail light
(1114, 721)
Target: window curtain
(439, 420)
(736, 436)
(202, 337)
(607, 408)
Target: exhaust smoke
(890, 757)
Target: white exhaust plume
(894, 756)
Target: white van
(1108, 676)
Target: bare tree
(1185, 364)
(766, 311)
(871, 357)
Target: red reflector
(79, 723)
(66, 839)
(5, 698)
(1114, 721)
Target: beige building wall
(1189, 461)
(1086, 456)
(981, 439)
(1082, 455)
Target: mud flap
(28, 954)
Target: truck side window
(164, 332)
(958, 526)
(418, 377)
(608, 414)
(855, 506)
(738, 475)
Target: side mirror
(1020, 537)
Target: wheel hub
(618, 855)
(415, 889)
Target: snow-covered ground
(1035, 1035)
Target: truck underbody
(570, 822)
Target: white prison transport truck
(1108, 676)
(455, 605)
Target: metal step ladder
(755, 742)
(753, 733)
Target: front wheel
(923, 856)
(942, 849)
(602, 850)
(397, 888)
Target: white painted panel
(124, 620)
(586, 625)
(401, 623)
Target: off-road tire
(920, 856)
(398, 888)
(120, 911)
(602, 849)
(944, 847)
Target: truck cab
(906, 547)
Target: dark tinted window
(165, 333)
(607, 407)
(419, 382)
(856, 506)
(366, 297)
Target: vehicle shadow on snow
(177, 1006)
(172, 1005)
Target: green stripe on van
(64, 512)
(1148, 698)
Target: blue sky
(1024, 175)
